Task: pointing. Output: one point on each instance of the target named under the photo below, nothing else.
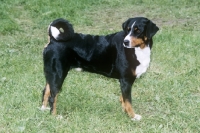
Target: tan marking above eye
(128, 28)
(137, 30)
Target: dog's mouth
(131, 46)
(127, 46)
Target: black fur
(104, 55)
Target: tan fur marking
(133, 72)
(48, 42)
(122, 102)
(48, 37)
(127, 107)
(61, 30)
(46, 96)
(145, 38)
(54, 105)
(137, 42)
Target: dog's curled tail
(61, 30)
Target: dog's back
(93, 53)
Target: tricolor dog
(124, 55)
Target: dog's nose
(126, 42)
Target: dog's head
(138, 32)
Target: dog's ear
(151, 29)
(125, 24)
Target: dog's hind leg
(45, 97)
(55, 83)
(55, 72)
(49, 96)
(125, 99)
(52, 102)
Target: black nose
(126, 42)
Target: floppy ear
(125, 24)
(151, 29)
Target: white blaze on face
(55, 32)
(128, 37)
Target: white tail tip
(55, 32)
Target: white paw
(137, 117)
(79, 69)
(44, 108)
(59, 117)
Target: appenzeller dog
(124, 55)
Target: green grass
(167, 96)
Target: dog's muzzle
(127, 44)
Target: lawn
(167, 96)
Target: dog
(124, 55)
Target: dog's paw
(79, 69)
(44, 108)
(59, 117)
(137, 117)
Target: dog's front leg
(125, 99)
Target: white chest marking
(128, 37)
(143, 56)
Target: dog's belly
(106, 67)
(143, 56)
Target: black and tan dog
(124, 55)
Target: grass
(167, 96)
